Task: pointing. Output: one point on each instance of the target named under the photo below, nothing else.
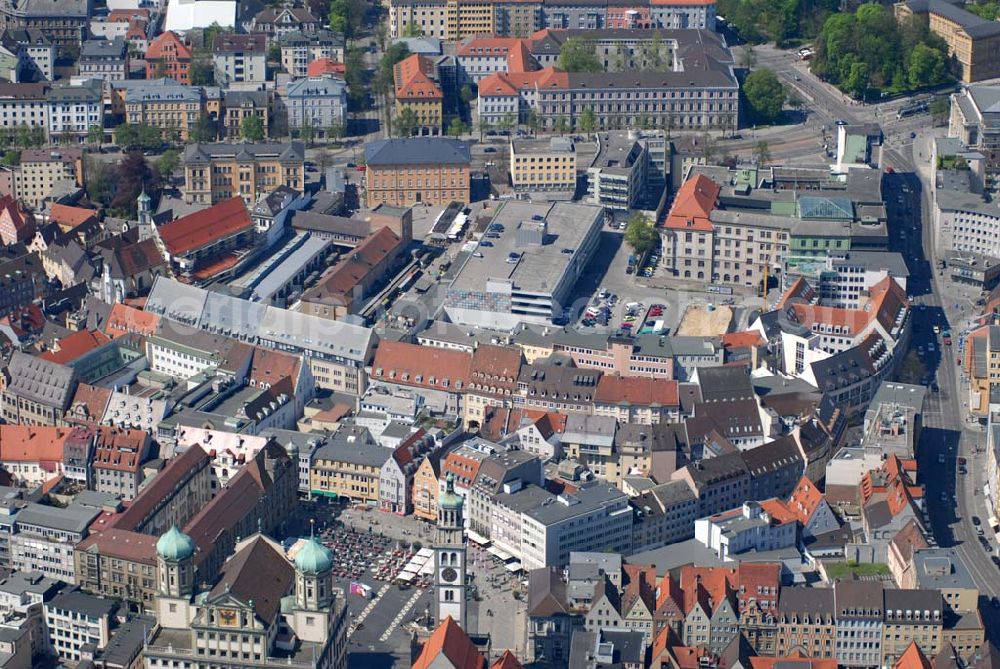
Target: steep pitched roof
(912, 658)
(70, 217)
(804, 500)
(125, 319)
(454, 644)
(257, 572)
(413, 78)
(637, 390)
(206, 226)
(693, 204)
(168, 43)
(910, 538)
(74, 346)
(422, 366)
(32, 443)
(507, 661)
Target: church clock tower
(449, 556)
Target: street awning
(514, 566)
(405, 576)
(499, 554)
(478, 538)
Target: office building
(527, 272)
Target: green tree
(533, 122)
(274, 52)
(169, 161)
(764, 95)
(252, 128)
(986, 10)
(507, 122)
(940, 109)
(205, 130)
(10, 158)
(209, 34)
(406, 122)
(640, 234)
(577, 55)
(708, 148)
(762, 153)
(336, 131)
(307, 133)
(139, 136)
(857, 79)
(748, 58)
(412, 30)
(201, 72)
(95, 134)
(562, 125)
(456, 128)
(466, 93)
(484, 126)
(928, 66)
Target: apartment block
(215, 172)
(240, 59)
(546, 167)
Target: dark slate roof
(417, 151)
(812, 601)
(257, 572)
(772, 456)
(42, 381)
(725, 383)
(974, 25)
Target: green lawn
(841, 570)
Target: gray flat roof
(73, 518)
(74, 600)
(893, 262)
(540, 267)
(584, 500)
(941, 568)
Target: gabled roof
(178, 49)
(910, 538)
(912, 658)
(257, 573)
(804, 500)
(507, 661)
(32, 443)
(422, 366)
(454, 644)
(70, 217)
(75, 346)
(204, 227)
(637, 390)
(124, 319)
(693, 205)
(413, 78)
(417, 151)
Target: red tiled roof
(779, 512)
(91, 400)
(796, 660)
(124, 319)
(484, 45)
(269, 367)
(74, 346)
(338, 286)
(454, 644)
(119, 449)
(805, 499)
(32, 443)
(164, 482)
(321, 66)
(413, 79)
(693, 205)
(497, 84)
(204, 227)
(742, 339)
(912, 658)
(70, 217)
(507, 661)
(644, 391)
(422, 366)
(157, 48)
(495, 368)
